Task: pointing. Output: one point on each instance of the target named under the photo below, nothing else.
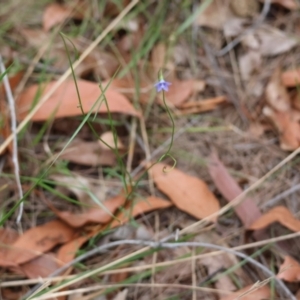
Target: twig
(158, 245)
(237, 40)
(13, 119)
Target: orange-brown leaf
(247, 211)
(259, 294)
(64, 102)
(97, 214)
(56, 13)
(88, 154)
(277, 214)
(202, 105)
(181, 90)
(287, 124)
(67, 252)
(41, 266)
(188, 193)
(7, 238)
(35, 242)
(289, 270)
(277, 95)
(291, 78)
(141, 206)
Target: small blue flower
(162, 85)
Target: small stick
(13, 118)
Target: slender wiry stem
(13, 120)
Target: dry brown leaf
(287, 123)
(12, 293)
(296, 100)
(269, 41)
(289, 4)
(259, 294)
(64, 102)
(213, 265)
(282, 114)
(141, 206)
(219, 15)
(34, 37)
(289, 270)
(121, 295)
(277, 214)
(109, 138)
(190, 194)
(249, 63)
(247, 211)
(257, 129)
(158, 55)
(202, 105)
(97, 215)
(35, 242)
(80, 186)
(88, 154)
(291, 78)
(56, 13)
(181, 90)
(7, 238)
(103, 64)
(276, 94)
(127, 87)
(67, 252)
(41, 266)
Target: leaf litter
(86, 166)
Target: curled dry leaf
(127, 87)
(190, 194)
(67, 252)
(141, 206)
(99, 215)
(56, 13)
(41, 266)
(35, 242)
(282, 114)
(7, 238)
(287, 123)
(219, 15)
(247, 211)
(192, 107)
(289, 270)
(109, 138)
(64, 101)
(249, 63)
(88, 154)
(291, 78)
(261, 293)
(181, 90)
(269, 41)
(276, 94)
(277, 214)
(82, 187)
